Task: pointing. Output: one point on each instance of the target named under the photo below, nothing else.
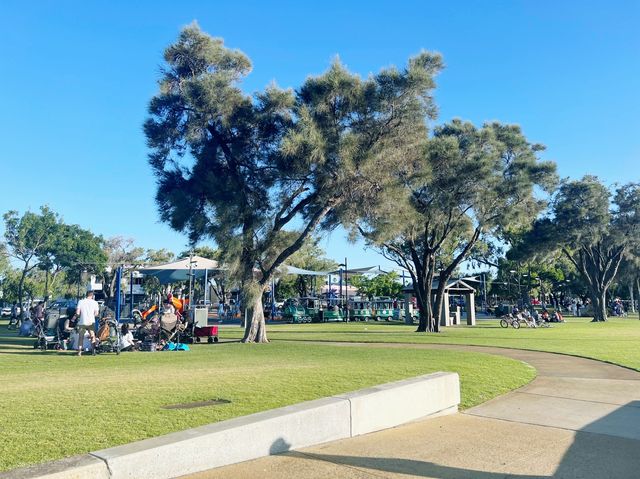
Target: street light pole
(346, 286)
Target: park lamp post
(512, 276)
(345, 305)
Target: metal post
(206, 287)
(118, 297)
(329, 289)
(346, 288)
(484, 291)
(190, 310)
(131, 294)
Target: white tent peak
(198, 263)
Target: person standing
(87, 311)
(14, 315)
(38, 313)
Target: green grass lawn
(616, 341)
(56, 404)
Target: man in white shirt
(86, 312)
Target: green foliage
(74, 250)
(381, 285)
(204, 251)
(158, 256)
(28, 237)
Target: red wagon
(209, 332)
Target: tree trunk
(255, 329)
(422, 286)
(23, 277)
(632, 299)
(599, 301)
(598, 266)
(46, 287)
(438, 304)
(638, 294)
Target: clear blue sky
(76, 77)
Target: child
(127, 343)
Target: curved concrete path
(579, 418)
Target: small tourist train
(318, 310)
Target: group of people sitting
(532, 319)
(81, 330)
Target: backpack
(103, 332)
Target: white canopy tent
(179, 270)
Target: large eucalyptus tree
(467, 182)
(260, 173)
(594, 228)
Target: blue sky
(76, 78)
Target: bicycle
(509, 320)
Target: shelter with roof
(189, 269)
(456, 287)
(180, 270)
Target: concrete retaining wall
(231, 441)
(391, 404)
(262, 434)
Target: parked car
(6, 311)
(61, 307)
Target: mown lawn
(616, 341)
(56, 404)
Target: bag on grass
(171, 346)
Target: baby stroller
(171, 326)
(46, 332)
(108, 337)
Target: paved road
(578, 419)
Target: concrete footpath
(578, 419)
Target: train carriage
(360, 310)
